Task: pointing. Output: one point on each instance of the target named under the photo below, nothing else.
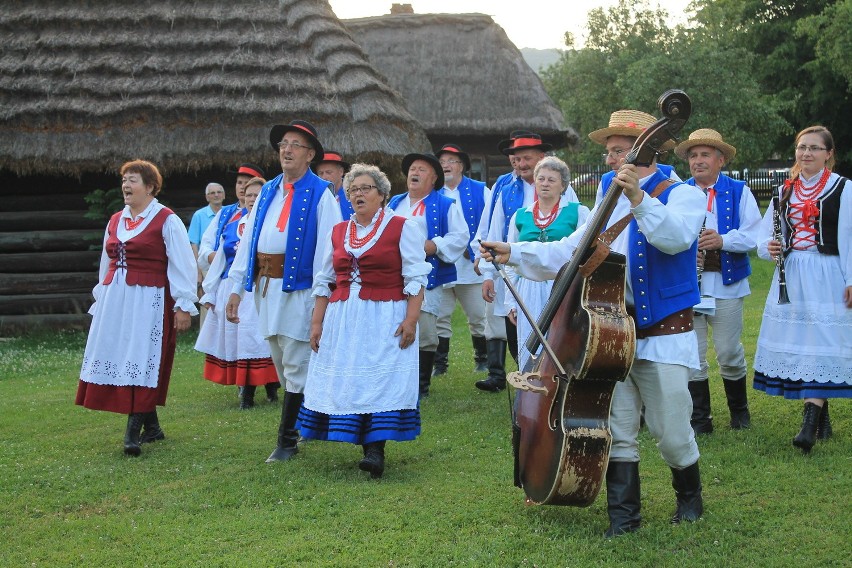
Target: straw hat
(706, 137)
(627, 123)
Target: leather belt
(270, 266)
(678, 322)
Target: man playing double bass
(660, 246)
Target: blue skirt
(397, 425)
(800, 389)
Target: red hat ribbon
(526, 142)
(249, 172)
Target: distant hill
(538, 59)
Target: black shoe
(701, 420)
(496, 354)
(442, 357)
(480, 354)
(132, 433)
(735, 392)
(152, 431)
(247, 397)
(806, 438)
(272, 391)
(490, 385)
(374, 459)
(824, 430)
(623, 502)
(288, 436)
(427, 360)
(687, 486)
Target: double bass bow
(561, 437)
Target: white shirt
(464, 266)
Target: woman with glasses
(804, 350)
(551, 217)
(362, 381)
(236, 353)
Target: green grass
(204, 497)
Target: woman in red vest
(145, 295)
(362, 384)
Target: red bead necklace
(131, 225)
(544, 222)
(808, 193)
(356, 242)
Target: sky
(539, 24)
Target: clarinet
(779, 262)
(701, 253)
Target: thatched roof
(460, 74)
(188, 84)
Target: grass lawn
(205, 497)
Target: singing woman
(804, 350)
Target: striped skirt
(397, 425)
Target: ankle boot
(442, 357)
(701, 421)
(824, 431)
(272, 391)
(496, 380)
(247, 397)
(131, 434)
(480, 354)
(288, 436)
(152, 431)
(735, 391)
(374, 459)
(687, 486)
(623, 504)
(427, 360)
(806, 437)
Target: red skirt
(242, 372)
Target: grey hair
(554, 164)
(213, 184)
(379, 178)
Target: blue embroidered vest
(345, 205)
(436, 211)
(472, 197)
(512, 197)
(496, 192)
(225, 215)
(230, 242)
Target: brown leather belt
(678, 322)
(270, 266)
(712, 261)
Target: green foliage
(204, 497)
(102, 204)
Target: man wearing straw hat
(282, 249)
(732, 221)
(660, 245)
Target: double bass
(561, 437)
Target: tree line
(757, 71)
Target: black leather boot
(806, 437)
(480, 354)
(272, 391)
(623, 503)
(442, 357)
(496, 380)
(824, 431)
(735, 391)
(247, 397)
(374, 459)
(701, 421)
(132, 433)
(152, 431)
(427, 360)
(288, 436)
(687, 486)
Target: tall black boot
(427, 360)
(374, 459)
(288, 436)
(735, 391)
(496, 380)
(152, 431)
(247, 397)
(701, 421)
(442, 357)
(687, 486)
(512, 339)
(132, 433)
(480, 354)
(824, 430)
(623, 503)
(806, 437)
(272, 391)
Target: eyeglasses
(812, 149)
(362, 189)
(615, 154)
(449, 162)
(294, 145)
